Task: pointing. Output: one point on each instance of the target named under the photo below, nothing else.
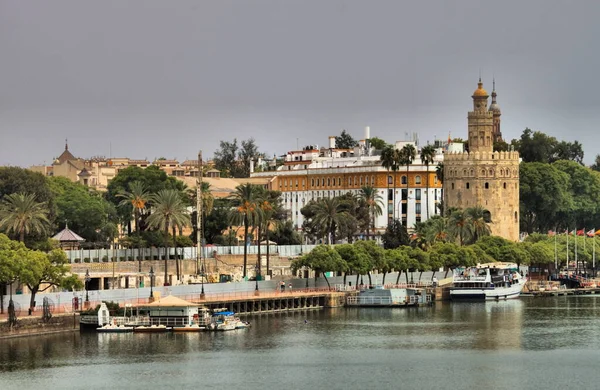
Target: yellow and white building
(320, 172)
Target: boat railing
(375, 301)
(463, 278)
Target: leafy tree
(544, 196)
(357, 261)
(372, 200)
(247, 153)
(395, 235)
(448, 254)
(596, 165)
(536, 146)
(397, 259)
(572, 151)
(216, 221)
(244, 212)
(345, 141)
(21, 214)
(10, 266)
(418, 260)
(38, 268)
(286, 234)
(427, 156)
(501, 146)
(225, 158)
(18, 180)
(377, 143)
(152, 178)
(584, 186)
(374, 253)
(321, 259)
(169, 211)
(85, 210)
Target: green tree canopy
(345, 141)
(321, 259)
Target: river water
(531, 343)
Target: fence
(107, 255)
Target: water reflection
(346, 342)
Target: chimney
(331, 142)
(367, 132)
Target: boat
(226, 320)
(113, 328)
(190, 328)
(490, 281)
(151, 329)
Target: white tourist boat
(490, 281)
(114, 328)
(226, 320)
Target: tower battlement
(481, 156)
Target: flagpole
(594, 253)
(576, 257)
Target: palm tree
(458, 226)
(372, 200)
(136, 197)
(169, 210)
(407, 155)
(245, 211)
(21, 214)
(271, 212)
(389, 160)
(427, 155)
(329, 214)
(479, 220)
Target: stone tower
(482, 176)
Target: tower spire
(66, 144)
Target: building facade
(314, 173)
(482, 176)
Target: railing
(375, 301)
(458, 278)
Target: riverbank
(35, 326)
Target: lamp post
(202, 296)
(151, 274)
(256, 273)
(87, 280)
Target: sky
(154, 78)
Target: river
(541, 343)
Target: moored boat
(151, 329)
(190, 328)
(112, 328)
(490, 281)
(226, 320)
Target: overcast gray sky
(167, 78)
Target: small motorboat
(190, 328)
(113, 328)
(151, 329)
(239, 324)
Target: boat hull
(486, 294)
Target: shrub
(86, 259)
(105, 258)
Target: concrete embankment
(32, 326)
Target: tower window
(452, 185)
(516, 217)
(487, 186)
(468, 185)
(504, 185)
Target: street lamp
(87, 280)
(202, 281)
(151, 274)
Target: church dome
(480, 92)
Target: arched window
(452, 185)
(483, 172)
(504, 185)
(339, 181)
(390, 179)
(323, 182)
(328, 181)
(403, 180)
(472, 173)
(491, 172)
(487, 185)
(417, 179)
(464, 172)
(468, 185)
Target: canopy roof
(171, 301)
(67, 235)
